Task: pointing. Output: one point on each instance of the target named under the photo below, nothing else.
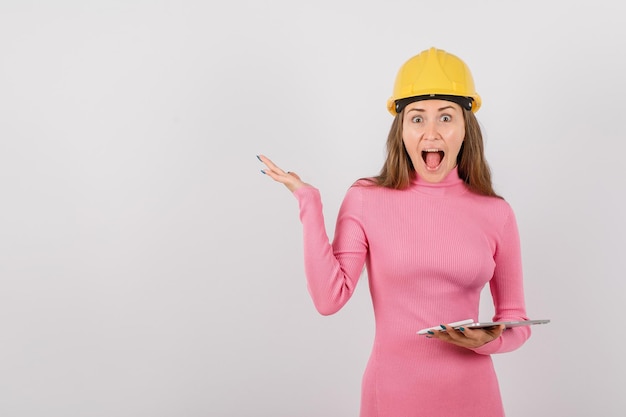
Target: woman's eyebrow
(440, 109)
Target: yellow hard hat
(434, 73)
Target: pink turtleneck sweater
(429, 250)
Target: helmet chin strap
(465, 102)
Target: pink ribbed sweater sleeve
(507, 291)
(332, 271)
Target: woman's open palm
(291, 180)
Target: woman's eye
(417, 119)
(446, 118)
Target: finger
(478, 337)
(272, 169)
(293, 174)
(495, 332)
(289, 179)
(281, 177)
(271, 165)
(443, 333)
(461, 337)
(453, 334)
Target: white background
(147, 267)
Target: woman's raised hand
(291, 180)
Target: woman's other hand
(468, 338)
(291, 180)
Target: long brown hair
(398, 171)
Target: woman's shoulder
(494, 205)
(365, 182)
(364, 189)
(367, 186)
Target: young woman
(432, 232)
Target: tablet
(508, 324)
(470, 324)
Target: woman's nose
(431, 130)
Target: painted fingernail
(462, 329)
(259, 158)
(262, 172)
(428, 337)
(429, 332)
(442, 326)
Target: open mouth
(432, 157)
